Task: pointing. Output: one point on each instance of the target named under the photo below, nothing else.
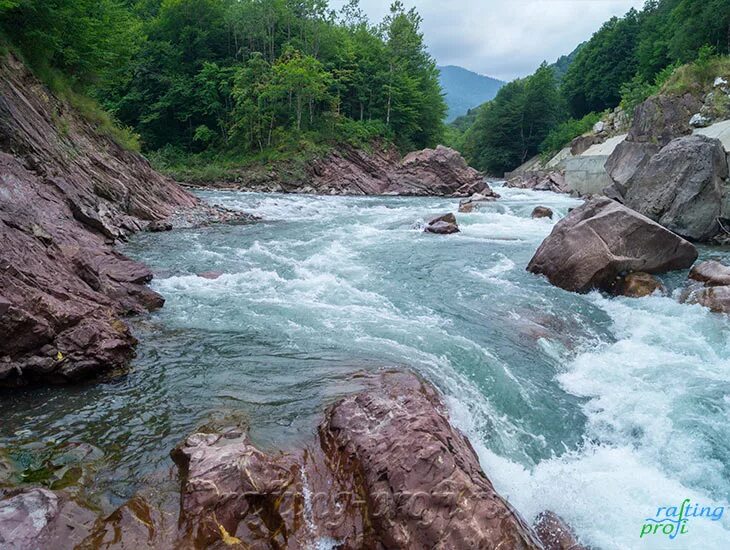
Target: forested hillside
(624, 62)
(236, 77)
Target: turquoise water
(599, 409)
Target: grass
(697, 77)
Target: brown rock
(601, 240)
(716, 298)
(711, 273)
(159, 226)
(63, 287)
(638, 285)
(443, 225)
(468, 207)
(421, 477)
(555, 534)
(542, 212)
(472, 203)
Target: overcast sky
(504, 38)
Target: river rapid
(599, 409)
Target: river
(599, 409)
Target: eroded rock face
(602, 240)
(422, 478)
(443, 225)
(64, 198)
(683, 187)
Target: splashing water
(601, 410)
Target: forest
(239, 77)
(626, 60)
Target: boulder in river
(715, 298)
(711, 273)
(443, 225)
(472, 203)
(683, 187)
(638, 285)
(603, 240)
(542, 212)
(555, 534)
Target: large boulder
(715, 298)
(683, 187)
(602, 240)
(711, 273)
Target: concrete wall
(586, 174)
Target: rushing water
(599, 409)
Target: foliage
(510, 129)
(637, 90)
(567, 131)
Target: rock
(582, 143)
(64, 290)
(601, 240)
(624, 162)
(716, 298)
(599, 127)
(662, 118)
(348, 171)
(698, 120)
(39, 518)
(421, 476)
(159, 226)
(540, 181)
(720, 82)
(711, 273)
(683, 187)
(472, 203)
(542, 212)
(443, 225)
(212, 275)
(555, 534)
(638, 285)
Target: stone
(698, 120)
(540, 181)
(662, 118)
(683, 187)
(472, 203)
(443, 225)
(5, 305)
(716, 298)
(711, 273)
(719, 82)
(542, 212)
(599, 127)
(638, 285)
(159, 226)
(555, 534)
(211, 275)
(602, 240)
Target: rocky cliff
(67, 193)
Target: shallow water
(599, 409)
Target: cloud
(505, 38)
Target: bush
(697, 76)
(566, 132)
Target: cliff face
(67, 192)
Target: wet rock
(542, 212)
(638, 285)
(716, 298)
(472, 203)
(555, 534)
(683, 187)
(38, 518)
(601, 240)
(711, 273)
(212, 275)
(443, 225)
(64, 290)
(159, 226)
(421, 477)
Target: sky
(504, 39)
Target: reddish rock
(716, 298)
(601, 240)
(443, 225)
(555, 534)
(64, 290)
(542, 212)
(638, 285)
(710, 273)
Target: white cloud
(505, 38)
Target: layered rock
(67, 193)
(380, 171)
(602, 240)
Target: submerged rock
(602, 240)
(211, 275)
(638, 285)
(472, 203)
(555, 534)
(443, 225)
(542, 212)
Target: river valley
(600, 409)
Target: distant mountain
(465, 89)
